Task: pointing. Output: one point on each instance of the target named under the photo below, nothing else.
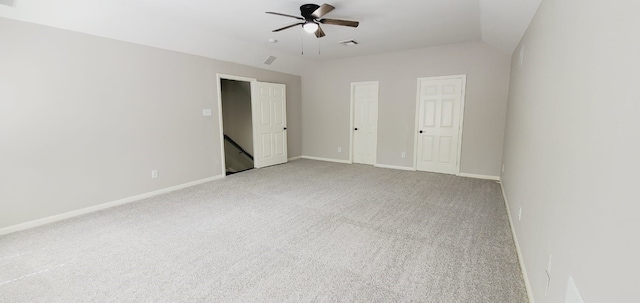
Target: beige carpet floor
(306, 231)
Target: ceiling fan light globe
(310, 27)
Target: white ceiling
(239, 30)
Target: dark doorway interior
(236, 125)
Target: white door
(439, 123)
(364, 98)
(268, 106)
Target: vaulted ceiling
(239, 31)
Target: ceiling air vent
(269, 60)
(11, 3)
(348, 42)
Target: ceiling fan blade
(285, 15)
(322, 10)
(339, 22)
(319, 32)
(288, 26)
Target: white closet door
(440, 108)
(365, 121)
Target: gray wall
(236, 112)
(326, 103)
(84, 120)
(572, 149)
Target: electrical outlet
(502, 167)
(520, 214)
(154, 173)
(339, 149)
(207, 112)
(403, 155)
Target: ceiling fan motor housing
(307, 9)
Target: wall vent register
(269, 60)
(348, 42)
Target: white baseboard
(475, 176)
(527, 284)
(75, 213)
(394, 167)
(326, 159)
(294, 158)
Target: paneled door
(269, 110)
(364, 98)
(439, 118)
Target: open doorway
(253, 123)
(237, 125)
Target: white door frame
(351, 122)
(417, 126)
(219, 78)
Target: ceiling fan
(312, 18)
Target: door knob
(356, 128)
(285, 128)
(421, 132)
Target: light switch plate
(207, 112)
